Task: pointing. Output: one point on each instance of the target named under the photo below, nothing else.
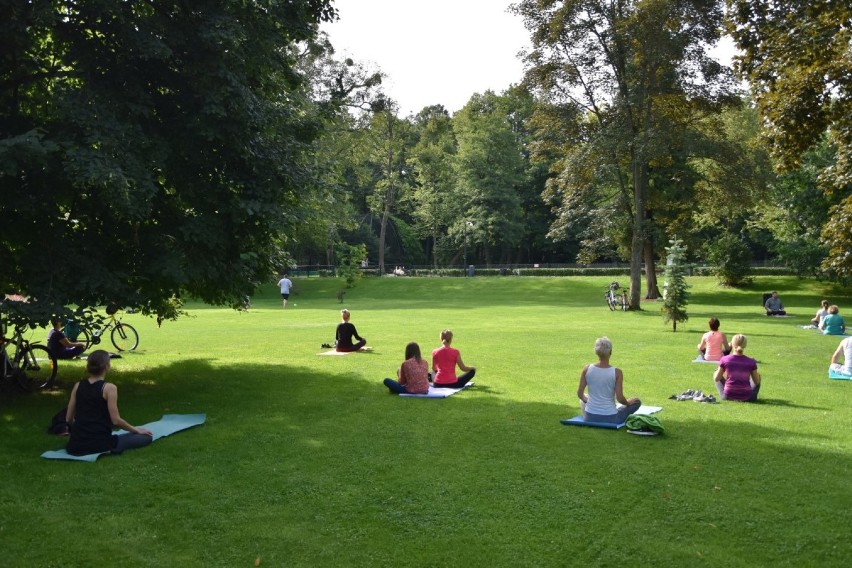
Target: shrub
(731, 260)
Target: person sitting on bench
(774, 306)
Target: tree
(431, 161)
(489, 169)
(150, 149)
(389, 138)
(676, 295)
(620, 69)
(796, 57)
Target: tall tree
(389, 139)
(149, 148)
(431, 162)
(617, 67)
(797, 58)
(489, 169)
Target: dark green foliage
(349, 258)
(731, 260)
(676, 291)
(149, 149)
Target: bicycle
(617, 301)
(123, 335)
(32, 365)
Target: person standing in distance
(285, 284)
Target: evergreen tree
(676, 293)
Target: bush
(731, 260)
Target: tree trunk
(637, 244)
(652, 291)
(382, 230)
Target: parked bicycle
(617, 301)
(31, 365)
(123, 335)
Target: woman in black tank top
(93, 412)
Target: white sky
(435, 52)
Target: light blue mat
(578, 421)
(701, 360)
(839, 376)
(167, 425)
(438, 392)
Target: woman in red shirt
(444, 362)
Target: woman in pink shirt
(413, 374)
(444, 361)
(713, 344)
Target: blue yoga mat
(700, 360)
(578, 421)
(165, 426)
(839, 376)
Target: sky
(436, 51)
(433, 52)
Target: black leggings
(460, 382)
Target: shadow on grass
(313, 466)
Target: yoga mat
(839, 376)
(700, 360)
(578, 420)
(439, 392)
(334, 353)
(167, 425)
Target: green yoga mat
(165, 426)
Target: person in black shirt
(93, 412)
(345, 332)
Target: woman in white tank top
(844, 350)
(604, 384)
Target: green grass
(308, 461)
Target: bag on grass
(58, 425)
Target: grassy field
(308, 461)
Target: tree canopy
(149, 149)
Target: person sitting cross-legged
(774, 306)
(833, 323)
(605, 384)
(737, 377)
(60, 346)
(844, 352)
(413, 374)
(345, 332)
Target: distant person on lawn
(345, 332)
(93, 412)
(445, 359)
(774, 306)
(833, 323)
(413, 374)
(737, 377)
(821, 313)
(285, 284)
(60, 346)
(714, 343)
(605, 384)
(844, 351)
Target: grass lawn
(308, 461)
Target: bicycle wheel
(625, 304)
(36, 368)
(124, 337)
(610, 300)
(85, 337)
